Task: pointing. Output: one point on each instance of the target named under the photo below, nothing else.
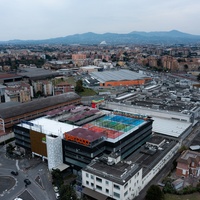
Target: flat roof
(149, 160)
(116, 75)
(86, 134)
(125, 169)
(48, 126)
(62, 167)
(169, 127)
(119, 173)
(90, 67)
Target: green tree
(154, 193)
(79, 86)
(67, 193)
(198, 77)
(57, 177)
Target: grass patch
(87, 92)
(194, 196)
(71, 80)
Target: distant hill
(135, 37)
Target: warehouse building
(123, 77)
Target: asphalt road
(17, 188)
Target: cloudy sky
(43, 19)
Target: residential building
(188, 164)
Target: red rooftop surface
(5, 76)
(85, 134)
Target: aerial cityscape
(98, 102)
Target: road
(34, 191)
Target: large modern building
(85, 133)
(116, 132)
(114, 152)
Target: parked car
(15, 173)
(57, 195)
(55, 189)
(27, 181)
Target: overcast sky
(43, 19)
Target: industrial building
(14, 113)
(112, 78)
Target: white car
(57, 195)
(55, 189)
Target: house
(188, 164)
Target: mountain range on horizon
(135, 37)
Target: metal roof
(173, 128)
(117, 75)
(37, 73)
(35, 105)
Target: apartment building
(110, 177)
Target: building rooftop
(9, 104)
(119, 173)
(173, 128)
(115, 127)
(37, 73)
(23, 108)
(148, 157)
(48, 126)
(124, 170)
(116, 75)
(5, 76)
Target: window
(98, 187)
(98, 179)
(125, 186)
(116, 187)
(116, 194)
(184, 171)
(107, 190)
(92, 177)
(87, 182)
(107, 182)
(92, 184)
(125, 193)
(87, 175)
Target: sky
(44, 19)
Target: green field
(87, 92)
(194, 196)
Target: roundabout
(6, 183)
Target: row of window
(98, 187)
(100, 181)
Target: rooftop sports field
(113, 125)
